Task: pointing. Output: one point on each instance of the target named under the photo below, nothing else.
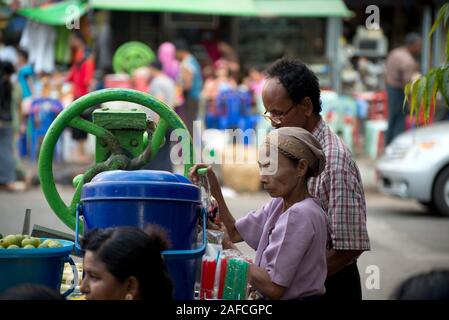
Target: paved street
(405, 239)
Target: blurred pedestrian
(167, 56)
(216, 84)
(163, 88)
(19, 124)
(7, 161)
(230, 58)
(257, 82)
(8, 52)
(125, 263)
(433, 285)
(191, 82)
(80, 75)
(401, 66)
(25, 73)
(291, 97)
(25, 78)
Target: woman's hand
(227, 242)
(224, 215)
(194, 176)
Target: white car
(416, 165)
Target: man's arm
(338, 259)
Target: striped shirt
(340, 190)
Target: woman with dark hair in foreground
(125, 263)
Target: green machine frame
(124, 141)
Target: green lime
(4, 243)
(46, 242)
(54, 244)
(35, 242)
(12, 239)
(20, 237)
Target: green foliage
(422, 92)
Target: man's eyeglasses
(277, 118)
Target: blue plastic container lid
(140, 185)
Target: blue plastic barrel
(43, 266)
(139, 198)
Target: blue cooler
(138, 198)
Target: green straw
(242, 279)
(229, 281)
(236, 279)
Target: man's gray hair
(412, 38)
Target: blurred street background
(62, 50)
(406, 239)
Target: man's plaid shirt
(340, 189)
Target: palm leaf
(441, 14)
(414, 100)
(422, 92)
(446, 15)
(421, 96)
(407, 89)
(431, 91)
(444, 84)
(447, 48)
(425, 101)
(432, 85)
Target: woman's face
(98, 283)
(278, 174)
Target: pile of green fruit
(19, 241)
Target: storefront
(260, 31)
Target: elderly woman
(289, 233)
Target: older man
(291, 96)
(401, 66)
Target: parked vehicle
(416, 165)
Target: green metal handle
(71, 117)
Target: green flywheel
(130, 56)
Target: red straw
(224, 264)
(212, 265)
(207, 278)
